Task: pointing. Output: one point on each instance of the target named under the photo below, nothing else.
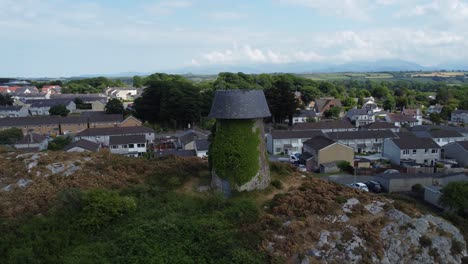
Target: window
(426, 150)
(376, 140)
(406, 152)
(131, 145)
(141, 145)
(124, 146)
(435, 151)
(114, 147)
(414, 151)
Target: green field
(346, 76)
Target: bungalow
(435, 109)
(420, 150)
(201, 147)
(458, 151)
(102, 135)
(32, 142)
(381, 126)
(128, 145)
(287, 141)
(83, 146)
(303, 116)
(414, 113)
(440, 136)
(400, 120)
(360, 117)
(321, 150)
(363, 141)
(459, 116)
(325, 126)
(13, 111)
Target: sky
(53, 38)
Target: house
(102, 134)
(435, 109)
(186, 139)
(360, 117)
(32, 142)
(128, 145)
(51, 89)
(91, 102)
(379, 125)
(363, 141)
(323, 104)
(43, 125)
(414, 113)
(201, 147)
(83, 146)
(321, 150)
(98, 119)
(370, 105)
(13, 111)
(130, 121)
(400, 120)
(458, 151)
(121, 93)
(72, 124)
(288, 141)
(42, 106)
(303, 116)
(325, 126)
(459, 116)
(422, 151)
(441, 136)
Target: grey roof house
(13, 111)
(360, 117)
(423, 151)
(441, 136)
(32, 143)
(102, 135)
(128, 145)
(459, 116)
(83, 145)
(325, 126)
(458, 151)
(288, 141)
(363, 141)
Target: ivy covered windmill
(237, 153)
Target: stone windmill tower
(237, 153)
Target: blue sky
(65, 38)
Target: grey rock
(7, 188)
(348, 206)
(23, 183)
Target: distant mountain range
(358, 66)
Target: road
(348, 178)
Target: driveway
(348, 178)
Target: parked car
(390, 171)
(360, 186)
(374, 186)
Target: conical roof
(239, 104)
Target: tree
(348, 103)
(446, 112)
(389, 103)
(5, 99)
(60, 110)
(59, 143)
(137, 81)
(281, 100)
(455, 196)
(114, 106)
(10, 136)
(435, 118)
(332, 112)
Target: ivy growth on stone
(234, 151)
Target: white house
(32, 142)
(102, 135)
(287, 141)
(400, 120)
(422, 151)
(363, 141)
(13, 111)
(371, 105)
(435, 109)
(121, 93)
(414, 113)
(201, 147)
(360, 117)
(459, 116)
(441, 136)
(129, 145)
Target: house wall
(20, 113)
(72, 128)
(455, 151)
(432, 196)
(422, 156)
(391, 151)
(278, 145)
(202, 154)
(42, 145)
(129, 122)
(103, 124)
(336, 152)
(104, 140)
(371, 144)
(131, 148)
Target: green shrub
(425, 241)
(100, 207)
(340, 199)
(277, 184)
(58, 143)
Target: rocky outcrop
(361, 228)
